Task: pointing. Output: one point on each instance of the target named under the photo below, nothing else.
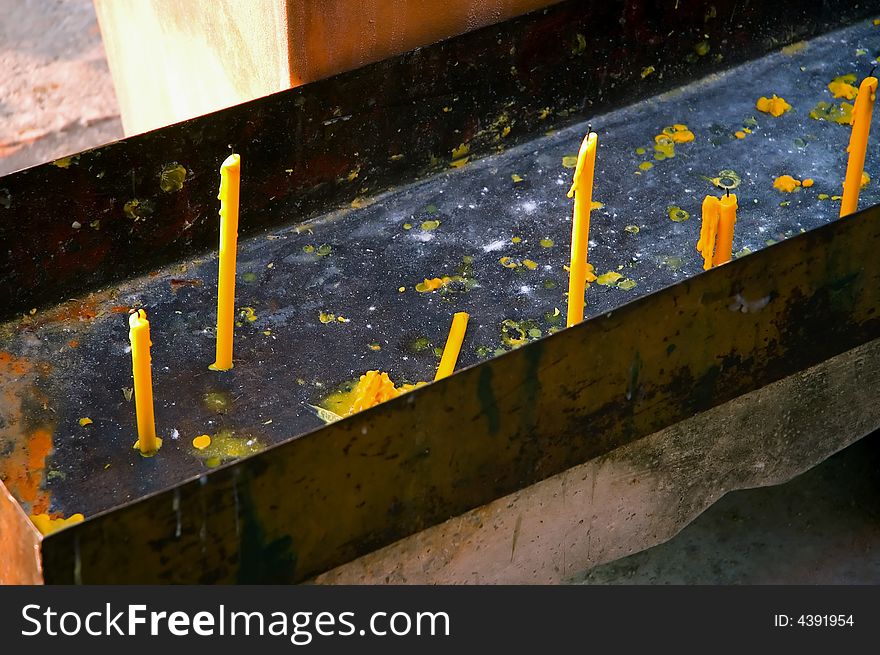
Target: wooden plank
(174, 60)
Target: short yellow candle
(582, 192)
(858, 145)
(230, 180)
(139, 335)
(453, 345)
(708, 231)
(726, 221)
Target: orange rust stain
(73, 343)
(120, 309)
(22, 468)
(12, 366)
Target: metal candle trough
(444, 162)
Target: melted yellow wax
(47, 525)
(225, 446)
(827, 111)
(609, 278)
(866, 179)
(202, 441)
(664, 143)
(432, 284)
(774, 106)
(372, 388)
(842, 87)
(786, 183)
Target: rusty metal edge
(20, 561)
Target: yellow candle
(139, 335)
(708, 230)
(453, 345)
(230, 179)
(582, 191)
(858, 145)
(726, 221)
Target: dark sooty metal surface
(76, 362)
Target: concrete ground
(57, 98)
(56, 95)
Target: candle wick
(728, 192)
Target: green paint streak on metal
(261, 561)
(532, 383)
(487, 399)
(634, 371)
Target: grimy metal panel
(305, 505)
(302, 507)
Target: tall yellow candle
(582, 192)
(858, 145)
(453, 345)
(726, 221)
(708, 231)
(230, 180)
(139, 335)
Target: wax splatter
(83, 422)
(828, 111)
(202, 441)
(432, 284)
(48, 525)
(786, 183)
(774, 106)
(171, 177)
(372, 388)
(226, 446)
(609, 278)
(677, 214)
(842, 87)
(726, 179)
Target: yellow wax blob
(677, 214)
(646, 166)
(529, 264)
(372, 388)
(866, 179)
(202, 441)
(609, 278)
(679, 133)
(827, 111)
(786, 183)
(83, 422)
(47, 525)
(740, 134)
(807, 183)
(842, 87)
(432, 284)
(774, 106)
